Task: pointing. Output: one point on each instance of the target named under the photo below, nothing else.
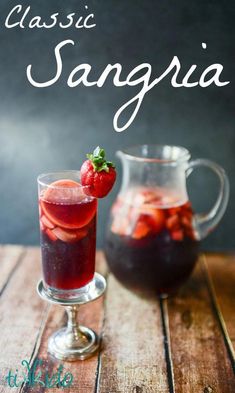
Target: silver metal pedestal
(74, 342)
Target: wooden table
(185, 344)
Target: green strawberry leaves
(98, 160)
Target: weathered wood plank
(200, 359)
(21, 313)
(221, 270)
(133, 360)
(10, 257)
(84, 372)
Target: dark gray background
(50, 129)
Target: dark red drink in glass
(68, 233)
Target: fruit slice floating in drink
(146, 215)
(54, 206)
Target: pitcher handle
(206, 222)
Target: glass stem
(72, 324)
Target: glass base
(77, 345)
(74, 342)
(65, 294)
(80, 296)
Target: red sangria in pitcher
(152, 242)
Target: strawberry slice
(141, 230)
(97, 174)
(154, 217)
(186, 222)
(173, 222)
(177, 235)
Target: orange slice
(65, 205)
(81, 233)
(59, 190)
(42, 226)
(64, 236)
(68, 236)
(51, 235)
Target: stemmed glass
(67, 216)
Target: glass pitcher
(152, 241)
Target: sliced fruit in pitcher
(173, 222)
(142, 214)
(177, 235)
(154, 217)
(141, 230)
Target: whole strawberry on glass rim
(98, 174)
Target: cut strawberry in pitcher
(141, 230)
(173, 222)
(177, 235)
(141, 213)
(154, 217)
(186, 222)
